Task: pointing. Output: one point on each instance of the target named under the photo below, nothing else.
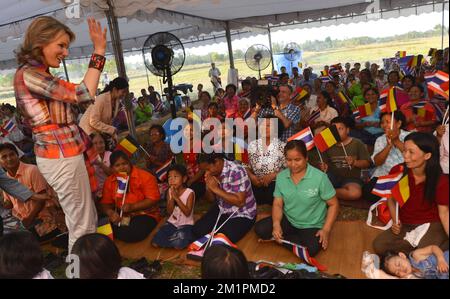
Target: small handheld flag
(420, 110)
(8, 127)
(363, 111)
(247, 114)
(438, 83)
(199, 243)
(335, 69)
(104, 227)
(161, 172)
(325, 76)
(240, 154)
(314, 116)
(356, 114)
(298, 94)
(128, 145)
(400, 54)
(306, 136)
(383, 186)
(122, 180)
(327, 138)
(343, 97)
(389, 99)
(303, 253)
(219, 238)
(400, 192)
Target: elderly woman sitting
(266, 160)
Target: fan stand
(291, 60)
(171, 100)
(259, 69)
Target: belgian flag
(240, 154)
(344, 98)
(299, 94)
(400, 192)
(104, 227)
(327, 138)
(420, 110)
(128, 145)
(363, 111)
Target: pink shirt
(231, 106)
(178, 218)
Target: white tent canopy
(193, 20)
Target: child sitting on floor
(429, 262)
(100, 259)
(21, 257)
(177, 232)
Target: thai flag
(8, 127)
(438, 83)
(247, 114)
(420, 104)
(122, 182)
(315, 115)
(325, 76)
(440, 105)
(159, 106)
(356, 114)
(217, 240)
(303, 253)
(306, 136)
(221, 239)
(383, 186)
(383, 100)
(198, 244)
(161, 173)
(336, 69)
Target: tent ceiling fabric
(188, 19)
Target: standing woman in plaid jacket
(45, 101)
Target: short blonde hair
(41, 32)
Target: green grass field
(196, 74)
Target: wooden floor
(348, 241)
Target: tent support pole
(270, 47)
(146, 71)
(120, 64)
(65, 70)
(115, 40)
(442, 25)
(230, 47)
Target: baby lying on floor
(429, 262)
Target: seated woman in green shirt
(143, 111)
(304, 206)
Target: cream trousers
(70, 180)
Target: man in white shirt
(214, 74)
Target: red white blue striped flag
(122, 180)
(438, 83)
(383, 186)
(161, 173)
(303, 253)
(8, 127)
(306, 136)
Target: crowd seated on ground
(304, 187)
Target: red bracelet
(97, 62)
